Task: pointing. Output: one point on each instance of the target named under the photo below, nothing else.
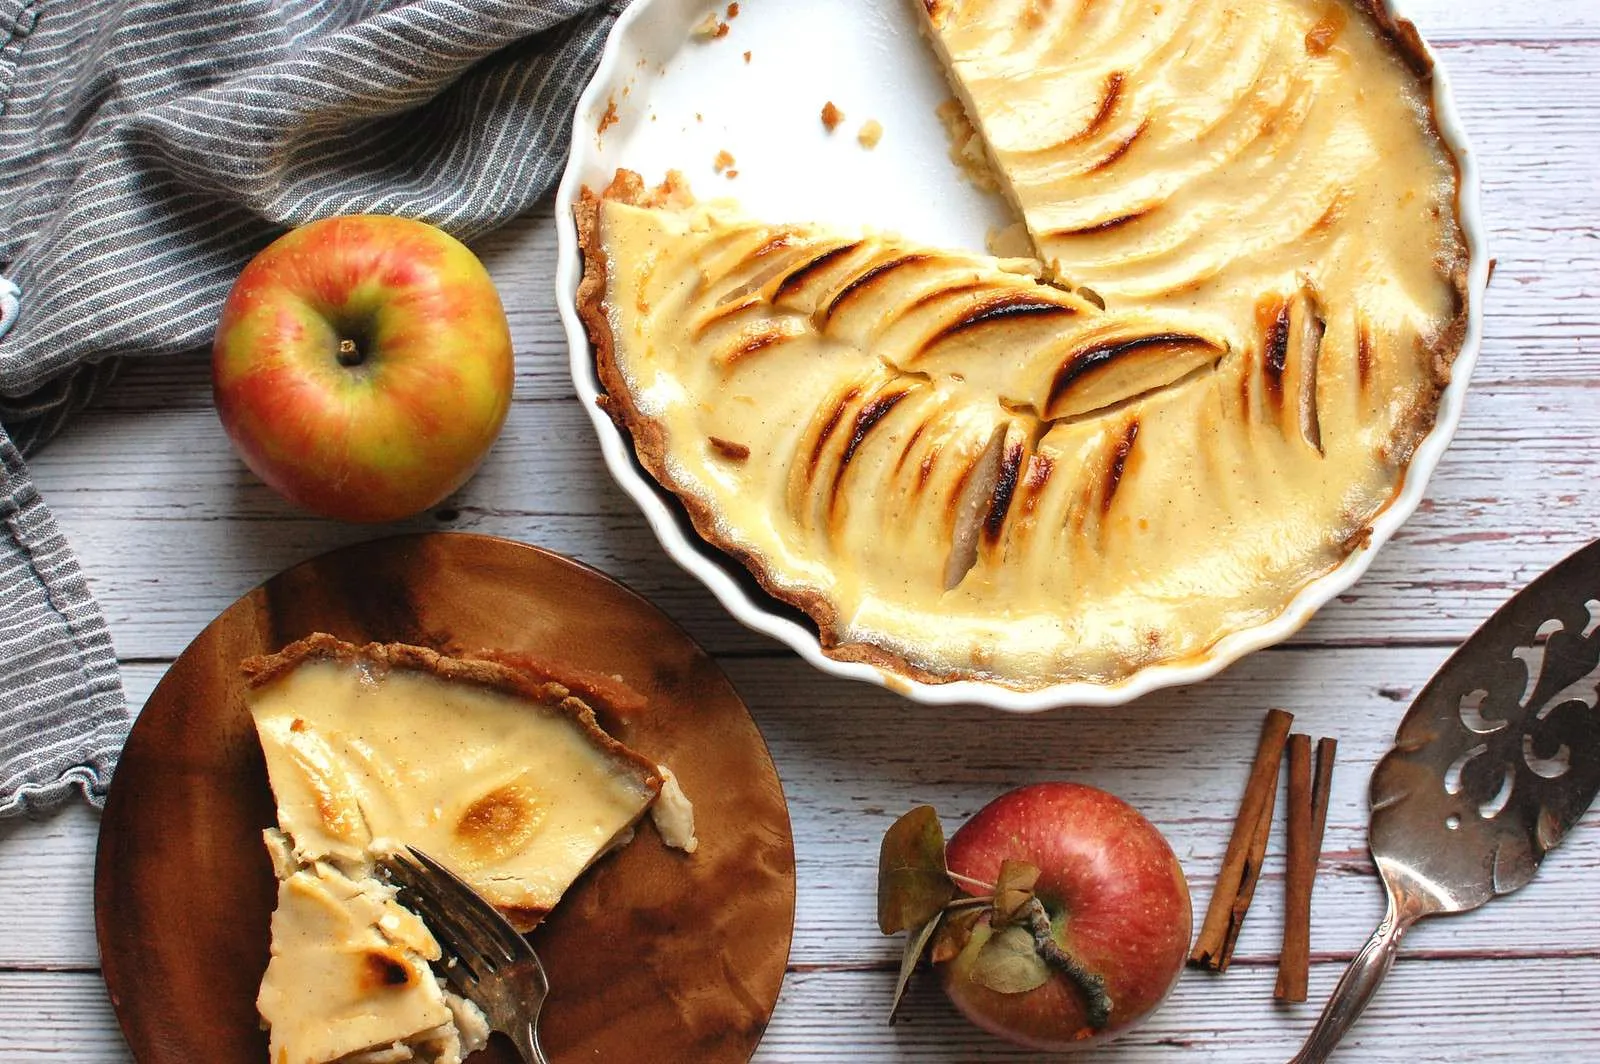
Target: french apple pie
(495, 770)
(1245, 294)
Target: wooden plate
(681, 954)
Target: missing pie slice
(1246, 293)
(497, 771)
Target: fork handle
(526, 1038)
(1356, 987)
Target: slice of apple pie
(349, 979)
(1246, 295)
(500, 774)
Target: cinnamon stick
(1241, 865)
(1321, 791)
(1294, 960)
(1247, 885)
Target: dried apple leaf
(915, 946)
(913, 884)
(954, 933)
(1013, 890)
(1009, 963)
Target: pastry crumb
(672, 194)
(610, 118)
(731, 174)
(871, 133)
(711, 28)
(831, 116)
(733, 10)
(673, 813)
(723, 161)
(747, 57)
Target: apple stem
(349, 353)
(1091, 984)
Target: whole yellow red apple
(1118, 907)
(363, 366)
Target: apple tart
(349, 979)
(1247, 289)
(492, 768)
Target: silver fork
(486, 960)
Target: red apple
(1117, 900)
(363, 366)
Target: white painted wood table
(170, 529)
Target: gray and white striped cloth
(147, 149)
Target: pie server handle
(1356, 986)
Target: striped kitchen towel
(147, 149)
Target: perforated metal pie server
(1495, 761)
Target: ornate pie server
(1496, 760)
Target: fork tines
(469, 927)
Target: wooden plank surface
(830, 1016)
(170, 529)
